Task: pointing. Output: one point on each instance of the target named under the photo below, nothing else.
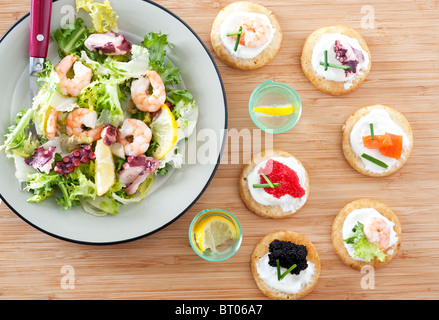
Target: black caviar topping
(288, 253)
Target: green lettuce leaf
(48, 82)
(42, 185)
(115, 69)
(134, 68)
(102, 14)
(17, 137)
(100, 206)
(71, 37)
(105, 99)
(142, 192)
(77, 188)
(73, 188)
(185, 111)
(156, 43)
(363, 248)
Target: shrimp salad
(368, 235)
(110, 117)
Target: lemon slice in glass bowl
(105, 175)
(275, 111)
(214, 231)
(165, 132)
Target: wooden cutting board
(404, 43)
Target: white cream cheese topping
(233, 21)
(286, 202)
(363, 216)
(327, 42)
(382, 123)
(292, 283)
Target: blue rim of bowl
(208, 181)
(197, 250)
(289, 88)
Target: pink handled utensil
(40, 15)
(39, 34)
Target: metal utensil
(39, 33)
(40, 15)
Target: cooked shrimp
(73, 86)
(255, 32)
(140, 92)
(135, 136)
(52, 124)
(81, 122)
(377, 231)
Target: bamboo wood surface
(405, 75)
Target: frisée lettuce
(363, 248)
(103, 16)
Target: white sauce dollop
(327, 42)
(286, 202)
(229, 25)
(382, 123)
(292, 283)
(363, 215)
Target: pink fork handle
(40, 14)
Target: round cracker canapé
(379, 223)
(262, 44)
(267, 205)
(358, 146)
(293, 286)
(346, 49)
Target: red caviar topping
(287, 177)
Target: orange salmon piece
(380, 141)
(394, 150)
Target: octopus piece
(109, 134)
(42, 159)
(348, 56)
(74, 159)
(135, 171)
(108, 43)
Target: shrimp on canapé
(82, 76)
(377, 231)
(255, 32)
(81, 122)
(135, 136)
(140, 92)
(52, 124)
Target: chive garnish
(374, 160)
(265, 185)
(268, 180)
(337, 66)
(234, 33)
(326, 64)
(326, 60)
(372, 135)
(238, 34)
(283, 275)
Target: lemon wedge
(46, 117)
(275, 111)
(105, 176)
(165, 132)
(213, 232)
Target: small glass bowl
(225, 252)
(271, 93)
